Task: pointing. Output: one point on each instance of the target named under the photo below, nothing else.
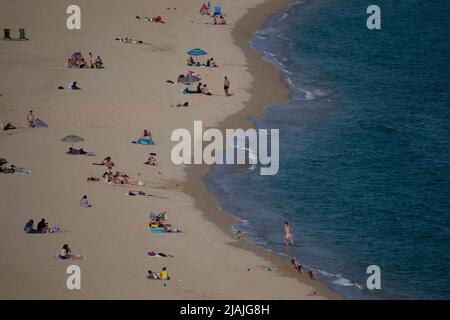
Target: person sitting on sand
(296, 265)
(146, 135)
(43, 227)
(29, 227)
(152, 275)
(65, 253)
(180, 78)
(151, 161)
(190, 61)
(98, 63)
(213, 63)
(84, 202)
(73, 86)
(205, 90)
(9, 126)
(76, 151)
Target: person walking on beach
(226, 86)
(288, 234)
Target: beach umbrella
(196, 52)
(190, 78)
(72, 139)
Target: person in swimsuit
(288, 234)
(226, 86)
(66, 253)
(30, 119)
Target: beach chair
(6, 34)
(22, 34)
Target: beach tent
(40, 124)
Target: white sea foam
(284, 16)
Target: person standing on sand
(226, 86)
(30, 119)
(288, 234)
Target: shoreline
(267, 79)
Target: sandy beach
(113, 107)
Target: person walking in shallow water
(288, 234)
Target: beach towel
(22, 171)
(157, 230)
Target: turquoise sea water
(364, 147)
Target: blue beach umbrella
(196, 52)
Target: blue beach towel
(145, 142)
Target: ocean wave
(339, 280)
(260, 37)
(284, 16)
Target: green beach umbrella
(196, 52)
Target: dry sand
(112, 108)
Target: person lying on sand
(93, 179)
(159, 254)
(125, 179)
(129, 40)
(76, 151)
(133, 193)
(105, 162)
(13, 169)
(152, 275)
(296, 265)
(9, 126)
(84, 202)
(170, 229)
